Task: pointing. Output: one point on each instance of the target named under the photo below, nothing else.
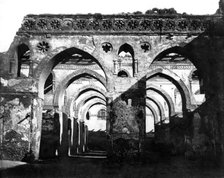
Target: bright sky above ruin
(13, 11)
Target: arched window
(126, 50)
(122, 74)
(102, 114)
(23, 56)
(126, 59)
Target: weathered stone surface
(64, 57)
(15, 126)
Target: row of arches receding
(82, 94)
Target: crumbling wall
(16, 98)
(15, 115)
(127, 121)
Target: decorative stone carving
(145, 25)
(94, 25)
(42, 24)
(43, 46)
(125, 23)
(157, 24)
(106, 25)
(119, 25)
(67, 24)
(132, 24)
(145, 46)
(107, 47)
(169, 25)
(29, 24)
(55, 24)
(81, 24)
(182, 25)
(195, 25)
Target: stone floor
(174, 167)
(5, 164)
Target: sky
(13, 11)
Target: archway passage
(60, 78)
(151, 118)
(176, 81)
(78, 95)
(71, 105)
(160, 108)
(59, 93)
(87, 106)
(97, 142)
(165, 95)
(170, 76)
(71, 56)
(83, 107)
(150, 123)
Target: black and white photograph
(112, 89)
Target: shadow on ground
(102, 168)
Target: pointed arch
(55, 57)
(126, 48)
(159, 105)
(66, 82)
(90, 104)
(165, 95)
(82, 102)
(83, 89)
(156, 118)
(176, 80)
(176, 49)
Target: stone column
(85, 137)
(109, 114)
(61, 132)
(81, 136)
(75, 136)
(69, 135)
(109, 126)
(135, 67)
(115, 66)
(36, 126)
(63, 150)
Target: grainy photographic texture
(122, 95)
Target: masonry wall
(22, 101)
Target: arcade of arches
(86, 84)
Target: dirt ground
(174, 167)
